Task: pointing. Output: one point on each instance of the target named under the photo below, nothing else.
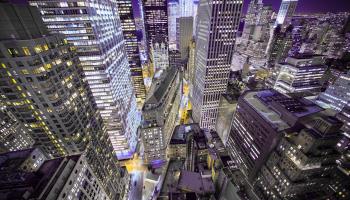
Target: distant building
(173, 14)
(175, 59)
(285, 13)
(26, 174)
(190, 67)
(126, 11)
(160, 113)
(160, 57)
(215, 41)
(281, 43)
(337, 95)
(13, 134)
(156, 20)
(300, 73)
(184, 35)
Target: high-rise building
(160, 113)
(300, 74)
(215, 40)
(42, 82)
(259, 122)
(175, 59)
(285, 13)
(42, 85)
(303, 165)
(68, 177)
(173, 14)
(14, 135)
(227, 108)
(257, 22)
(337, 95)
(96, 31)
(251, 47)
(186, 8)
(156, 20)
(184, 35)
(126, 11)
(281, 43)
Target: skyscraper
(300, 73)
(303, 163)
(337, 96)
(285, 13)
(156, 20)
(14, 135)
(173, 14)
(281, 43)
(215, 42)
(96, 31)
(42, 84)
(126, 11)
(184, 35)
(260, 121)
(186, 8)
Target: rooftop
(160, 88)
(274, 107)
(194, 182)
(181, 131)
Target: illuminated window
(13, 52)
(26, 51)
(45, 47)
(24, 71)
(38, 49)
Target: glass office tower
(95, 29)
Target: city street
(136, 189)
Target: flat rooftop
(272, 106)
(194, 182)
(267, 113)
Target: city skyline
(309, 6)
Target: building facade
(14, 135)
(304, 163)
(173, 14)
(66, 178)
(258, 124)
(286, 12)
(160, 57)
(156, 20)
(337, 95)
(160, 115)
(96, 31)
(42, 84)
(126, 11)
(281, 44)
(301, 73)
(184, 35)
(215, 40)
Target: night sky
(311, 6)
